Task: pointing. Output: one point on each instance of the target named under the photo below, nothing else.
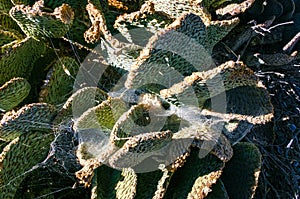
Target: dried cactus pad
(13, 92)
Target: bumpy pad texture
(59, 87)
(241, 173)
(13, 92)
(20, 159)
(31, 117)
(47, 26)
(186, 180)
(12, 62)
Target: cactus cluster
(127, 134)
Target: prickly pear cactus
(110, 137)
(128, 134)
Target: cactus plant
(191, 155)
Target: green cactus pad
(109, 183)
(3, 144)
(101, 117)
(254, 101)
(50, 25)
(5, 6)
(218, 191)
(165, 54)
(153, 184)
(7, 22)
(210, 83)
(139, 148)
(137, 28)
(79, 102)
(104, 183)
(241, 173)
(187, 181)
(60, 84)
(163, 61)
(12, 62)
(37, 116)
(8, 35)
(136, 121)
(215, 30)
(146, 18)
(20, 158)
(13, 92)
